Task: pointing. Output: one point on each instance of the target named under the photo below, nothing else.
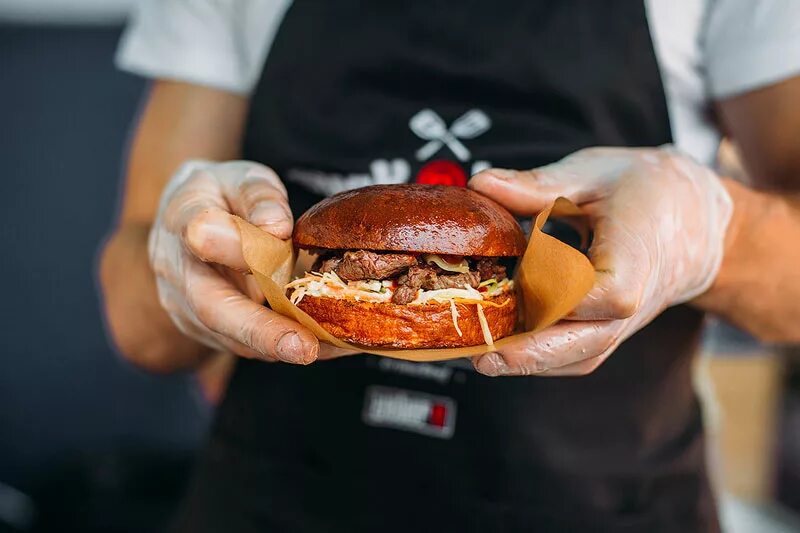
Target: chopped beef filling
(327, 265)
(419, 275)
(456, 281)
(430, 277)
(412, 274)
(404, 294)
(362, 264)
(490, 268)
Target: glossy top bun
(411, 218)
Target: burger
(409, 266)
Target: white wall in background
(65, 11)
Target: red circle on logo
(442, 173)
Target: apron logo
(429, 126)
(426, 414)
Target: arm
(758, 285)
(669, 231)
(179, 122)
(172, 275)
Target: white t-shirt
(706, 49)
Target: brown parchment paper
(551, 278)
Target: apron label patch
(438, 373)
(418, 412)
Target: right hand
(195, 252)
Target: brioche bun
(411, 218)
(429, 325)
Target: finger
(582, 368)
(252, 289)
(174, 302)
(523, 192)
(221, 308)
(560, 345)
(198, 214)
(612, 297)
(199, 192)
(240, 349)
(256, 194)
(623, 263)
(231, 346)
(245, 283)
(581, 177)
(212, 236)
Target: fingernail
(274, 218)
(290, 348)
(268, 213)
(492, 364)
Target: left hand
(659, 222)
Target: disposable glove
(195, 252)
(659, 222)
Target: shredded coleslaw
(329, 284)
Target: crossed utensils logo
(429, 126)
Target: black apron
(355, 93)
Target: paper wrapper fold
(551, 277)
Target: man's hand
(659, 222)
(195, 252)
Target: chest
(356, 93)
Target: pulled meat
(362, 264)
(327, 264)
(455, 281)
(430, 278)
(489, 268)
(419, 276)
(404, 294)
(411, 273)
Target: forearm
(139, 326)
(179, 122)
(758, 285)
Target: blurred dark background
(90, 444)
(87, 443)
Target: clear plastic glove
(659, 222)
(195, 252)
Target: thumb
(249, 190)
(255, 193)
(213, 236)
(581, 177)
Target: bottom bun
(429, 325)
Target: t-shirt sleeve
(750, 44)
(215, 43)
